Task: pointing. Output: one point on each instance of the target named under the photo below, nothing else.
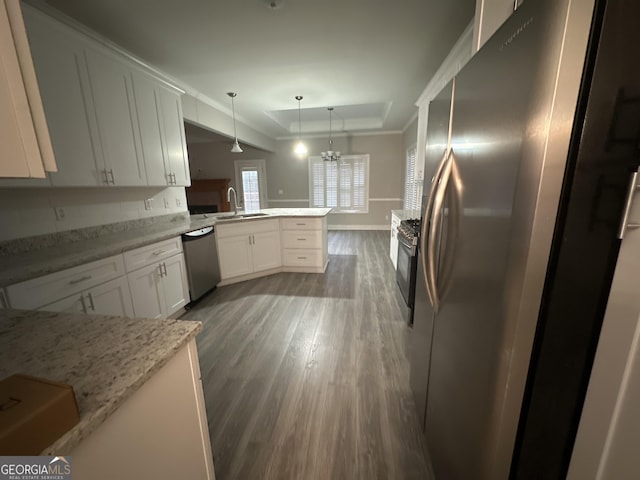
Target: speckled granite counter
(105, 359)
(406, 214)
(24, 266)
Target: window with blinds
(250, 190)
(341, 185)
(412, 187)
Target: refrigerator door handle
(631, 191)
(434, 224)
(428, 214)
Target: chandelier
(330, 155)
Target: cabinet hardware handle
(106, 176)
(81, 279)
(113, 182)
(300, 224)
(158, 252)
(84, 305)
(302, 258)
(93, 307)
(175, 182)
(302, 239)
(160, 270)
(169, 179)
(164, 268)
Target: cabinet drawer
(246, 227)
(32, 294)
(302, 239)
(143, 256)
(301, 258)
(302, 223)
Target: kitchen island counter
(105, 359)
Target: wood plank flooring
(306, 376)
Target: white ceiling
(370, 59)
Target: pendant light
(236, 147)
(330, 155)
(301, 148)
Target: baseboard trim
(359, 227)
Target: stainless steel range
(408, 233)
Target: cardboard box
(34, 413)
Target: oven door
(406, 261)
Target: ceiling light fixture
(330, 155)
(236, 147)
(301, 148)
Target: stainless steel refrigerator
(529, 154)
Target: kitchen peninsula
(127, 374)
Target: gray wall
(290, 175)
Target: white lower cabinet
(235, 256)
(304, 244)
(248, 248)
(87, 283)
(159, 288)
(111, 298)
(393, 241)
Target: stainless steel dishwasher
(203, 269)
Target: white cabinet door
(20, 154)
(73, 304)
(115, 114)
(174, 282)
(148, 106)
(146, 292)
(174, 137)
(234, 254)
(266, 251)
(63, 80)
(111, 298)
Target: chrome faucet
(235, 199)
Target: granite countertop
(24, 266)
(406, 214)
(105, 359)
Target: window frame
(314, 183)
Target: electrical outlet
(147, 204)
(280, 191)
(166, 202)
(60, 213)
(386, 217)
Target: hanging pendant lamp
(301, 148)
(236, 146)
(330, 155)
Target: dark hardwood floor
(306, 376)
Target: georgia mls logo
(35, 468)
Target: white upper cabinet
(162, 132)
(60, 65)
(175, 142)
(24, 137)
(115, 114)
(111, 122)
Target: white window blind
(412, 187)
(342, 185)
